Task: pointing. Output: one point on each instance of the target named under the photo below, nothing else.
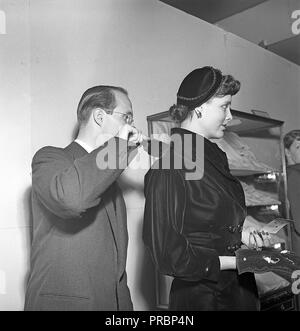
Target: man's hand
(130, 133)
(253, 238)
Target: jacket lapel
(75, 151)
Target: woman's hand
(253, 238)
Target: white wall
(270, 21)
(143, 45)
(15, 146)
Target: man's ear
(99, 115)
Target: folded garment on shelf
(239, 154)
(255, 197)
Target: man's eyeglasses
(128, 118)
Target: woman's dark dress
(188, 224)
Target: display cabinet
(255, 152)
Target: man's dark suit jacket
(80, 235)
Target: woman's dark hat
(199, 86)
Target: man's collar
(88, 148)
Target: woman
(193, 227)
(292, 151)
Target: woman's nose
(229, 115)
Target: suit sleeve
(69, 189)
(294, 196)
(173, 254)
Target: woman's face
(293, 153)
(215, 117)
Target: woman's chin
(219, 134)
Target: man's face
(123, 112)
(295, 151)
(120, 116)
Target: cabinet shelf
(264, 205)
(248, 172)
(250, 123)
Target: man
(79, 216)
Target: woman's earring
(198, 113)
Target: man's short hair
(97, 97)
(290, 137)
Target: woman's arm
(163, 233)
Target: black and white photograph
(150, 158)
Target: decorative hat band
(199, 86)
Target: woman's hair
(229, 86)
(179, 113)
(290, 137)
